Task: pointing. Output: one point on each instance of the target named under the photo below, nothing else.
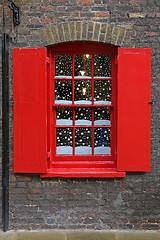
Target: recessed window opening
(84, 108)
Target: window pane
(83, 116)
(63, 65)
(102, 116)
(83, 92)
(102, 92)
(83, 141)
(102, 66)
(64, 116)
(63, 91)
(83, 65)
(64, 141)
(102, 138)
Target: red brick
(103, 14)
(47, 7)
(45, 1)
(87, 2)
(75, 14)
(158, 14)
(152, 33)
(48, 20)
(151, 14)
(138, 2)
(59, 1)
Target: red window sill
(83, 173)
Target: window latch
(48, 60)
(49, 154)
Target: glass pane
(83, 92)
(63, 92)
(83, 65)
(102, 116)
(102, 66)
(102, 144)
(63, 65)
(102, 92)
(83, 141)
(83, 116)
(64, 141)
(64, 116)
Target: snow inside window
(64, 141)
(63, 65)
(102, 92)
(102, 66)
(82, 66)
(102, 141)
(64, 116)
(83, 141)
(102, 116)
(63, 91)
(83, 116)
(78, 89)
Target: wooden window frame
(81, 48)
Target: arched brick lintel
(83, 31)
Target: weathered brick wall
(130, 203)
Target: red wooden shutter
(134, 110)
(30, 110)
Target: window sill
(83, 173)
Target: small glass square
(83, 141)
(64, 141)
(63, 92)
(102, 66)
(102, 116)
(63, 65)
(102, 145)
(82, 92)
(64, 116)
(102, 92)
(83, 116)
(82, 66)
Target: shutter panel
(134, 110)
(30, 110)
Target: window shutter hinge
(49, 154)
(116, 61)
(48, 60)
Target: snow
(80, 102)
(84, 77)
(101, 77)
(63, 102)
(63, 122)
(83, 150)
(62, 76)
(102, 102)
(83, 102)
(64, 150)
(102, 122)
(102, 150)
(82, 122)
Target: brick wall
(130, 203)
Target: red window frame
(81, 48)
